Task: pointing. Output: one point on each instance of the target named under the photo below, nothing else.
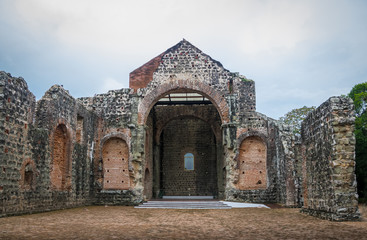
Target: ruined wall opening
(252, 164)
(115, 158)
(28, 176)
(79, 129)
(148, 178)
(60, 173)
(147, 184)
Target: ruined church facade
(186, 126)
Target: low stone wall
(328, 161)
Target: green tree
(359, 96)
(295, 117)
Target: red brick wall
(142, 76)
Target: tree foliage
(359, 96)
(295, 117)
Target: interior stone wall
(188, 135)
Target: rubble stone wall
(255, 125)
(328, 165)
(27, 152)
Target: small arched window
(189, 161)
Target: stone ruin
(186, 126)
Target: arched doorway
(186, 151)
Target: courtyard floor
(98, 222)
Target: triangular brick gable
(181, 58)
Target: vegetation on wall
(295, 117)
(359, 96)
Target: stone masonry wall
(117, 110)
(27, 152)
(253, 124)
(17, 105)
(186, 67)
(289, 149)
(328, 164)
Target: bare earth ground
(98, 222)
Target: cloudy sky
(297, 52)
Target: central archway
(175, 129)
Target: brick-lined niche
(115, 157)
(60, 172)
(252, 164)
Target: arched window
(189, 161)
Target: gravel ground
(98, 222)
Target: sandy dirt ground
(98, 222)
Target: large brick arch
(209, 92)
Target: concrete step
(185, 205)
(189, 197)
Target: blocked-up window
(252, 168)
(189, 161)
(115, 156)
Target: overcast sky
(297, 52)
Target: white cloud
(299, 50)
(111, 84)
